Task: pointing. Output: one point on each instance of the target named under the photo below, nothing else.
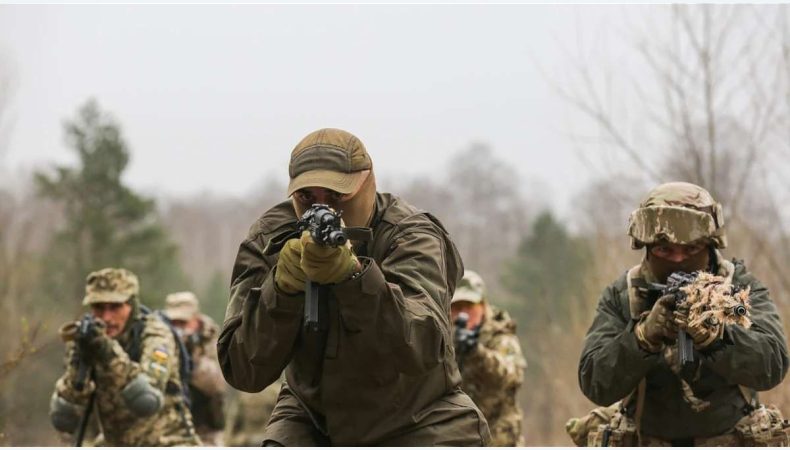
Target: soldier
(207, 388)
(490, 358)
(134, 378)
(248, 415)
(630, 349)
(380, 368)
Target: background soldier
(374, 370)
(248, 414)
(207, 388)
(630, 349)
(490, 358)
(133, 377)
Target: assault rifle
(464, 340)
(673, 287)
(81, 332)
(323, 223)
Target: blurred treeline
(716, 113)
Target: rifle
(81, 332)
(464, 340)
(674, 285)
(323, 223)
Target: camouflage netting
(712, 299)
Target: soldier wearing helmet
(207, 387)
(629, 350)
(134, 381)
(379, 370)
(490, 358)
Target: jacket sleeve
(502, 362)
(755, 357)
(261, 322)
(405, 299)
(612, 363)
(206, 374)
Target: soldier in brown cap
(133, 379)
(492, 365)
(207, 388)
(631, 349)
(381, 371)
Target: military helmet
(111, 285)
(470, 289)
(680, 213)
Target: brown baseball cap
(329, 158)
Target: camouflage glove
(703, 333)
(657, 327)
(289, 276)
(327, 265)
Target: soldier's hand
(97, 345)
(327, 265)
(289, 276)
(658, 326)
(703, 333)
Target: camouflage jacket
(248, 415)
(612, 364)
(207, 386)
(492, 374)
(171, 425)
(384, 372)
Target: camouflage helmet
(680, 213)
(110, 285)
(470, 289)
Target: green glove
(289, 276)
(327, 265)
(658, 326)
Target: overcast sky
(215, 97)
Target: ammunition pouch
(764, 427)
(620, 431)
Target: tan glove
(327, 265)
(703, 333)
(658, 326)
(289, 276)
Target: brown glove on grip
(657, 327)
(289, 276)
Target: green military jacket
(612, 364)
(492, 375)
(384, 372)
(120, 427)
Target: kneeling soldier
(125, 360)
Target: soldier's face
(115, 315)
(676, 253)
(187, 327)
(307, 197)
(475, 311)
